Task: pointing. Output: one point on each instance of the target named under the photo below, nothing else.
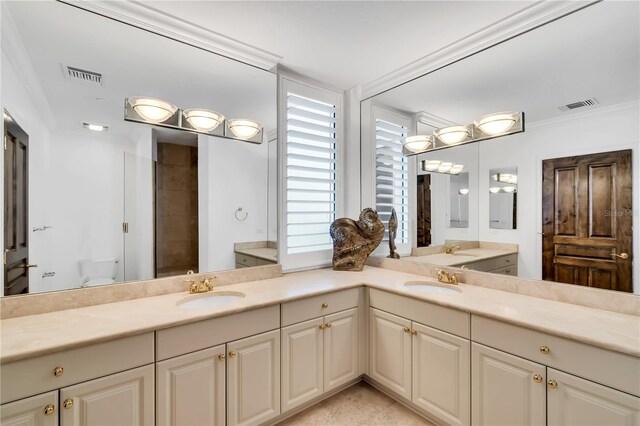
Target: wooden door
(586, 220)
(505, 389)
(40, 410)
(341, 353)
(390, 351)
(16, 197)
(119, 399)
(253, 379)
(441, 374)
(575, 401)
(424, 211)
(302, 366)
(191, 389)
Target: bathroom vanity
(452, 353)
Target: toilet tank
(106, 267)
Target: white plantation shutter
(311, 163)
(392, 177)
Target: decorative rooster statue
(393, 228)
(354, 241)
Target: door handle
(28, 265)
(621, 255)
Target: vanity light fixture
(509, 189)
(243, 128)
(444, 167)
(152, 109)
(418, 143)
(504, 189)
(487, 127)
(463, 191)
(203, 119)
(95, 127)
(505, 178)
(494, 189)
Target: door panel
(587, 211)
(340, 348)
(31, 411)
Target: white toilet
(98, 271)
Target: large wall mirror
(571, 199)
(134, 202)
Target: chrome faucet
(448, 277)
(451, 249)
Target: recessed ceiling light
(95, 127)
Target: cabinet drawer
(436, 316)
(246, 260)
(313, 307)
(31, 411)
(36, 375)
(495, 263)
(603, 366)
(204, 334)
(507, 270)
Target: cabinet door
(119, 399)
(441, 374)
(390, 351)
(40, 410)
(340, 348)
(301, 363)
(191, 389)
(506, 389)
(575, 401)
(253, 379)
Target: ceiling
(343, 43)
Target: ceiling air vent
(581, 104)
(83, 76)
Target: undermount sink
(210, 300)
(464, 253)
(433, 288)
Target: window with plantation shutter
(311, 171)
(392, 177)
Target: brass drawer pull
(49, 409)
(232, 354)
(322, 326)
(221, 357)
(328, 325)
(552, 384)
(545, 350)
(58, 371)
(68, 403)
(414, 332)
(325, 305)
(406, 330)
(537, 378)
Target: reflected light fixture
(203, 119)
(496, 124)
(95, 127)
(494, 190)
(243, 128)
(452, 135)
(509, 189)
(151, 109)
(463, 191)
(445, 167)
(505, 178)
(418, 143)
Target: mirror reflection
(92, 199)
(576, 79)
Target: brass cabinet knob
(232, 354)
(552, 384)
(537, 378)
(58, 371)
(328, 325)
(406, 330)
(49, 409)
(545, 350)
(68, 403)
(221, 357)
(321, 326)
(325, 305)
(414, 332)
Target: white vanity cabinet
(423, 364)
(322, 353)
(41, 410)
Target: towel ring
(238, 218)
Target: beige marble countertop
(266, 253)
(34, 335)
(460, 257)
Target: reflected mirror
(576, 80)
(92, 199)
(503, 198)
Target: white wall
(609, 130)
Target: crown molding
(16, 54)
(148, 18)
(587, 114)
(527, 19)
(433, 120)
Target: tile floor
(360, 404)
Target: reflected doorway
(424, 210)
(586, 220)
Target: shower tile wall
(177, 209)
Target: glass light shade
(452, 135)
(418, 143)
(203, 119)
(151, 109)
(463, 191)
(431, 165)
(444, 168)
(244, 129)
(456, 169)
(505, 177)
(509, 189)
(494, 190)
(496, 124)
